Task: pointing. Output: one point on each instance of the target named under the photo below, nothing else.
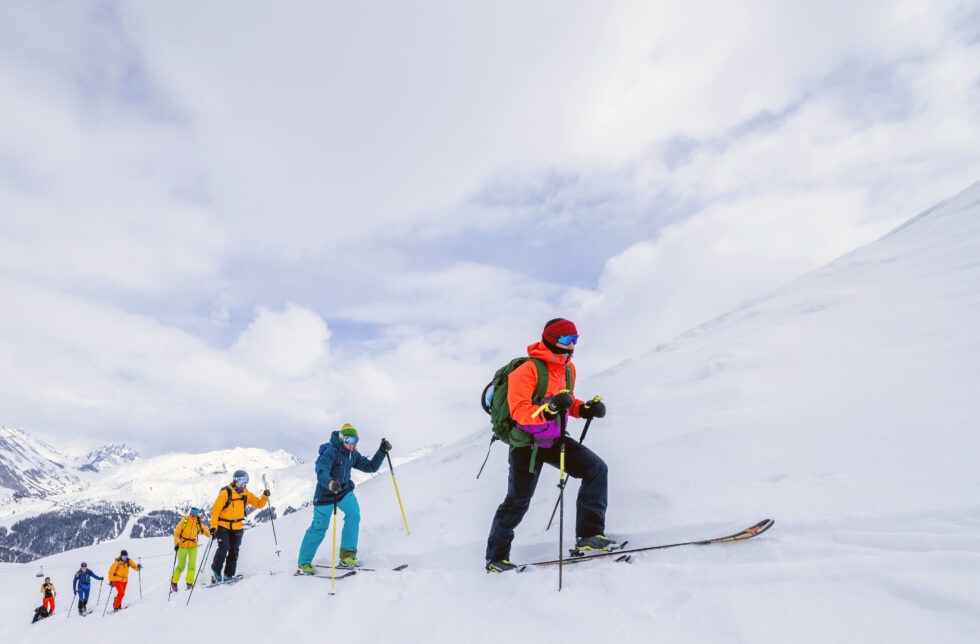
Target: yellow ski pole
(397, 493)
(561, 503)
(333, 565)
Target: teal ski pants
(321, 521)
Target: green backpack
(494, 399)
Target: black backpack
(39, 613)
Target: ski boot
(190, 586)
(306, 569)
(215, 578)
(598, 542)
(501, 565)
(348, 558)
(173, 586)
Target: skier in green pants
(185, 545)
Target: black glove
(265, 492)
(560, 403)
(593, 409)
(385, 445)
(334, 486)
(176, 548)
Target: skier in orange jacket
(119, 577)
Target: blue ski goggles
(241, 481)
(350, 440)
(567, 339)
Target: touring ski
(359, 568)
(621, 554)
(340, 575)
(225, 582)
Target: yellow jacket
(185, 534)
(229, 508)
(119, 571)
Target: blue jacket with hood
(334, 464)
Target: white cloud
(706, 265)
(188, 196)
(283, 345)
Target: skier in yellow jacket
(185, 545)
(227, 524)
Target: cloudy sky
(245, 225)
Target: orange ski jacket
(522, 381)
(119, 570)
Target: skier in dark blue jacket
(81, 584)
(334, 488)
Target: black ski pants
(227, 553)
(590, 507)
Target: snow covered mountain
(120, 493)
(31, 467)
(843, 406)
(106, 457)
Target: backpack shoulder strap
(228, 500)
(542, 386)
(569, 378)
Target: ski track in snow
(844, 406)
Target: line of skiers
(81, 586)
(534, 398)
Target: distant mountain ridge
(108, 456)
(31, 467)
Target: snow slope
(844, 406)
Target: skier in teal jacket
(334, 487)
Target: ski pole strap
(534, 456)
(492, 439)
